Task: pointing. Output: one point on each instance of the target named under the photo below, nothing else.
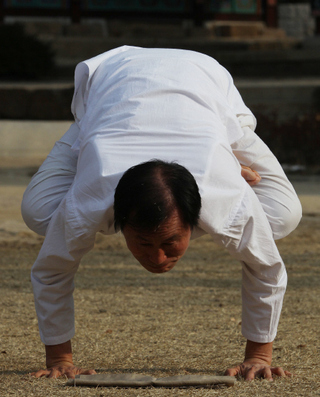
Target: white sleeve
(248, 237)
(53, 273)
(86, 208)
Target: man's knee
(33, 215)
(287, 219)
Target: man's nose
(157, 256)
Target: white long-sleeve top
(133, 105)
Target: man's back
(173, 105)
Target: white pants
(52, 181)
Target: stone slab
(137, 380)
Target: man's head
(156, 206)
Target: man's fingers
(254, 372)
(79, 371)
(54, 373)
(232, 371)
(70, 374)
(248, 175)
(251, 176)
(250, 374)
(40, 373)
(280, 372)
(249, 371)
(87, 372)
(268, 374)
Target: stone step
(52, 28)
(71, 50)
(244, 29)
(73, 43)
(129, 29)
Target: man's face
(159, 251)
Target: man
(131, 106)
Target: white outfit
(132, 105)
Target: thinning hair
(148, 193)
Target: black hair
(149, 192)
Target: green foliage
(23, 56)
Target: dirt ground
(128, 320)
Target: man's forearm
(259, 352)
(57, 355)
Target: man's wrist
(57, 355)
(258, 352)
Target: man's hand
(63, 370)
(257, 363)
(250, 370)
(251, 176)
(59, 363)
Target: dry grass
(183, 322)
